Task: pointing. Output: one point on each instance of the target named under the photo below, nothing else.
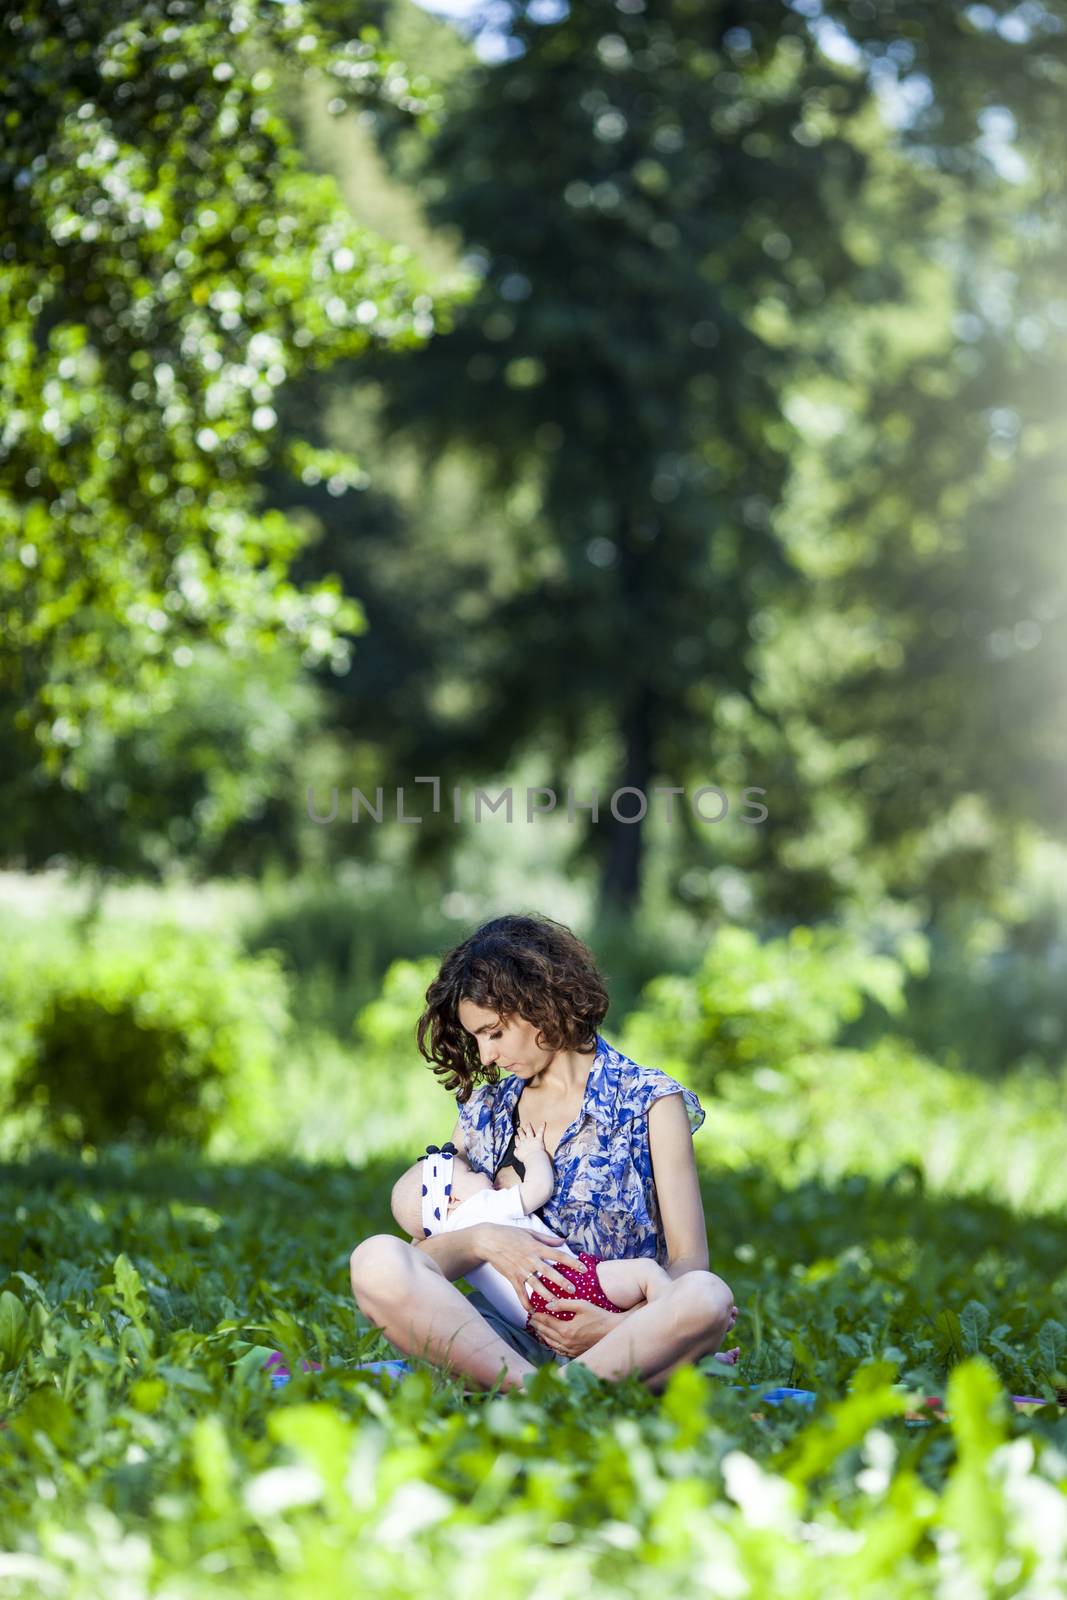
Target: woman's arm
(681, 1207)
(674, 1171)
(456, 1253)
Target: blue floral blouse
(604, 1201)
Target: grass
(143, 1438)
(890, 1228)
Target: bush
(212, 781)
(385, 1027)
(630, 954)
(754, 1005)
(167, 1037)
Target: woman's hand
(519, 1255)
(586, 1325)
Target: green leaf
(685, 1403)
(872, 1399)
(46, 1413)
(804, 1358)
(182, 1379)
(974, 1324)
(247, 1368)
(213, 1464)
(974, 1504)
(130, 1293)
(978, 1407)
(948, 1324)
(147, 1394)
(15, 1331)
(1052, 1343)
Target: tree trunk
(620, 879)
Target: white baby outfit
(497, 1205)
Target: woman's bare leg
(627, 1283)
(685, 1322)
(407, 1296)
(658, 1380)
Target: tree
(925, 728)
(664, 202)
(167, 267)
(610, 353)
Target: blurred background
(654, 393)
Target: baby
(473, 1198)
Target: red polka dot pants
(586, 1285)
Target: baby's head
(407, 1193)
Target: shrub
(167, 1037)
(385, 1028)
(753, 1004)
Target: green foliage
(166, 267)
(15, 1331)
(149, 1292)
(985, 1011)
(769, 1003)
(215, 780)
(887, 1110)
(765, 365)
(910, 703)
(632, 952)
(387, 1024)
(141, 1292)
(170, 1036)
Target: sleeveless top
(604, 1199)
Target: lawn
(146, 1453)
(893, 1230)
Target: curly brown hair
(525, 964)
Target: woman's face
(505, 1042)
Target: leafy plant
(167, 1037)
(143, 1295)
(762, 1004)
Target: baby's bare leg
(629, 1282)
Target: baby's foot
(728, 1357)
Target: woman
(523, 996)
